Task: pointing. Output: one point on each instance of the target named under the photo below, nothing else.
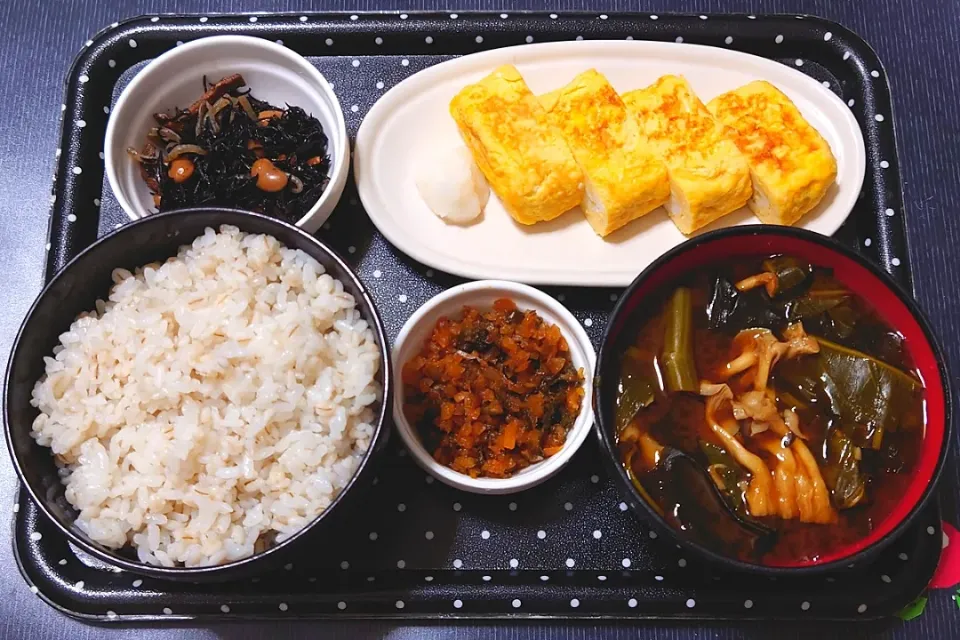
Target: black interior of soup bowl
(86, 279)
(892, 305)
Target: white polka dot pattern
(575, 547)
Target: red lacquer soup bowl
(895, 307)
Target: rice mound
(213, 404)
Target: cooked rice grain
(217, 399)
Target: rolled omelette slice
(709, 177)
(791, 165)
(524, 159)
(622, 179)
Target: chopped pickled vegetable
(493, 392)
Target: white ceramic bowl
(274, 74)
(482, 295)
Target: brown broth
(677, 420)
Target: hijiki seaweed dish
(230, 149)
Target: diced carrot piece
(555, 365)
(535, 405)
(497, 467)
(510, 434)
(446, 410)
(465, 462)
(574, 396)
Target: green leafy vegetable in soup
(634, 389)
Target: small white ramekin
(481, 295)
(273, 73)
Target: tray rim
(63, 181)
(133, 619)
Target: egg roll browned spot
(791, 165)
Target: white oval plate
(413, 118)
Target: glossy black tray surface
(565, 549)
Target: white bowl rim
(340, 162)
(536, 473)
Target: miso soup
(767, 411)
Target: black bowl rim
(206, 572)
(611, 456)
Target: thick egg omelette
(709, 177)
(623, 180)
(525, 159)
(790, 163)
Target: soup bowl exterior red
(893, 303)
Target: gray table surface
(919, 42)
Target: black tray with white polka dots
(420, 549)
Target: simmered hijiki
(767, 411)
(230, 149)
(493, 392)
